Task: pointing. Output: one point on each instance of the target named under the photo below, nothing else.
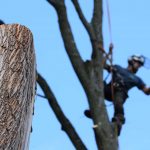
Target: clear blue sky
(131, 35)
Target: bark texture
(17, 86)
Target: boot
(119, 120)
(87, 113)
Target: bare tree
(17, 86)
(90, 74)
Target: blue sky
(131, 35)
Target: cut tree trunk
(17, 86)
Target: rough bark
(90, 73)
(17, 86)
(106, 137)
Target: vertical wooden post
(17, 86)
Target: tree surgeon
(117, 89)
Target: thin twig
(41, 96)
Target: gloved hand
(146, 90)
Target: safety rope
(111, 71)
(109, 20)
(110, 47)
(109, 56)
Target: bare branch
(40, 95)
(90, 73)
(55, 3)
(70, 45)
(97, 53)
(97, 20)
(66, 124)
(87, 25)
(97, 27)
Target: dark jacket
(123, 81)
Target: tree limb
(56, 3)
(97, 55)
(66, 124)
(80, 68)
(70, 45)
(97, 20)
(87, 25)
(91, 80)
(104, 130)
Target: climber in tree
(123, 80)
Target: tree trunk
(90, 73)
(17, 86)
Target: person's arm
(142, 86)
(146, 90)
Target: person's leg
(87, 113)
(108, 92)
(119, 118)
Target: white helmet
(138, 58)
